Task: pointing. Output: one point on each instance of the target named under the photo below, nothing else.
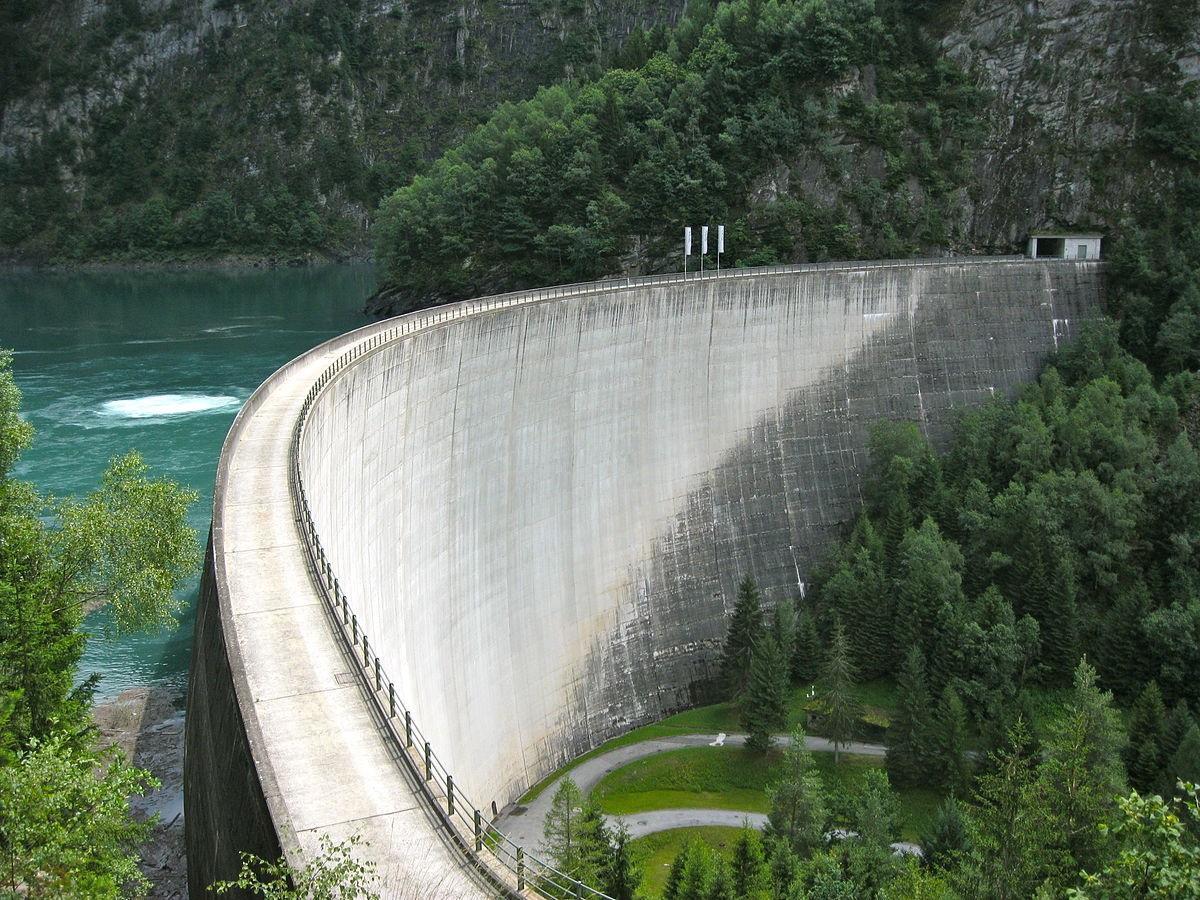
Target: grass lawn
(656, 852)
(878, 699)
(735, 778)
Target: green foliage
(65, 827)
(746, 630)
(910, 735)
(127, 544)
(807, 654)
(748, 870)
(15, 432)
(1145, 756)
(764, 704)
(799, 813)
(561, 831)
(622, 875)
(592, 178)
(947, 743)
(1158, 855)
(1011, 830)
(335, 873)
(838, 705)
(65, 823)
(946, 838)
(1081, 771)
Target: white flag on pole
(720, 238)
(703, 240)
(687, 240)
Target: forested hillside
(815, 129)
(144, 129)
(158, 129)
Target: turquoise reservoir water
(158, 362)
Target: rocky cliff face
(1068, 82)
(336, 101)
(144, 127)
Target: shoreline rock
(147, 724)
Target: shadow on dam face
(541, 513)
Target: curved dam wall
(540, 513)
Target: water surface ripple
(159, 362)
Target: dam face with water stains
(539, 510)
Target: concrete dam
(510, 529)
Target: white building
(1063, 245)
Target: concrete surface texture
(540, 513)
(281, 746)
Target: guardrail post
(450, 796)
(378, 675)
(520, 869)
(428, 762)
(408, 728)
(354, 630)
(366, 653)
(345, 611)
(479, 834)
(391, 700)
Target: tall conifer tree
(837, 691)
(1144, 758)
(908, 756)
(745, 631)
(949, 742)
(806, 655)
(764, 704)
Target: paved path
(524, 824)
(642, 824)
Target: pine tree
(1012, 835)
(1185, 762)
(764, 703)
(674, 883)
(869, 617)
(908, 754)
(806, 656)
(1179, 722)
(1147, 733)
(949, 737)
(927, 578)
(876, 810)
(1122, 655)
(798, 810)
(946, 836)
(837, 692)
(697, 874)
(623, 876)
(783, 629)
(745, 631)
(720, 885)
(1049, 596)
(561, 829)
(784, 868)
(595, 845)
(1081, 771)
(751, 877)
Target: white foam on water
(160, 405)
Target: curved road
(524, 824)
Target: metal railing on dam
(508, 866)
